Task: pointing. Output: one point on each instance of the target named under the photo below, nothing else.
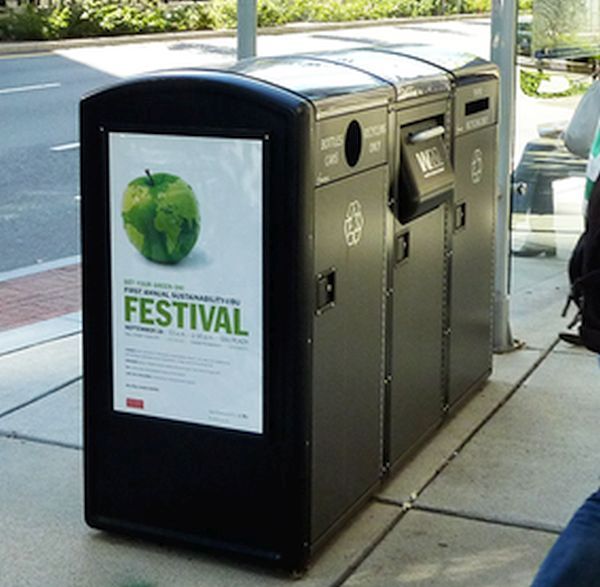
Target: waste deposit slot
(233, 268)
(474, 155)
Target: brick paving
(41, 296)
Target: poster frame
(200, 132)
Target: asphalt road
(39, 96)
(39, 159)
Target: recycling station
(287, 281)
(473, 155)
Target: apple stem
(149, 177)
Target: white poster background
(210, 378)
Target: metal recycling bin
(439, 341)
(474, 155)
(418, 246)
(233, 266)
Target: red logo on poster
(135, 403)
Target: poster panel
(186, 227)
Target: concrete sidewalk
(479, 505)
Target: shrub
(73, 19)
(224, 13)
(270, 13)
(85, 18)
(28, 23)
(530, 82)
(192, 17)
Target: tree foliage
(557, 24)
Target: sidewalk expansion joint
(36, 440)
(532, 526)
(368, 550)
(41, 396)
(32, 345)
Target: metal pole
(503, 53)
(246, 28)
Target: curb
(39, 268)
(49, 324)
(31, 335)
(33, 47)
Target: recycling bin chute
(233, 265)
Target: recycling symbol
(353, 223)
(476, 166)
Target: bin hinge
(325, 291)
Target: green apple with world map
(161, 217)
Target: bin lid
(331, 87)
(463, 67)
(411, 78)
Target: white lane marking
(32, 88)
(65, 147)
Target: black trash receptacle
(233, 267)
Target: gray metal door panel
(348, 345)
(417, 332)
(472, 262)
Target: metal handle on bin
(426, 135)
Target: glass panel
(566, 28)
(558, 105)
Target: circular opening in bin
(353, 143)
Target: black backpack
(584, 275)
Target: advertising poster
(186, 255)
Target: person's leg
(574, 560)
